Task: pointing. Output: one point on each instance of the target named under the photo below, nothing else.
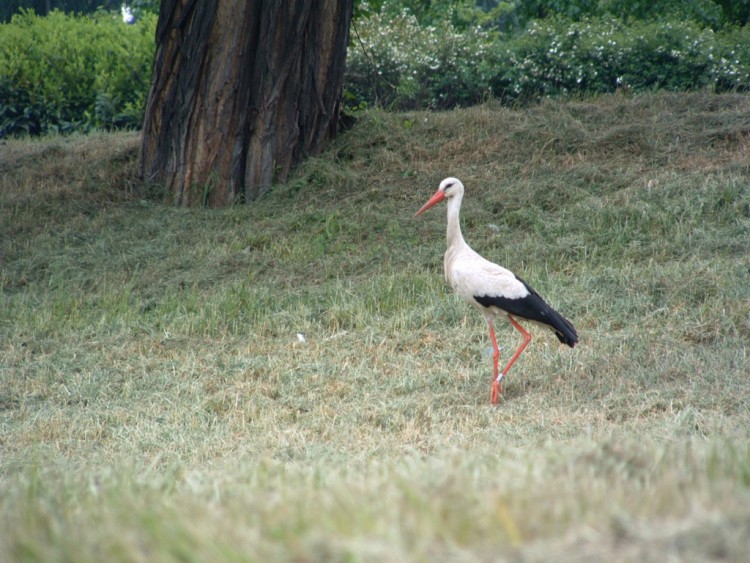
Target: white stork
(494, 290)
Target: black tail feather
(564, 329)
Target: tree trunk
(241, 91)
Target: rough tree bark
(242, 90)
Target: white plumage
(494, 290)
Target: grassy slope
(156, 401)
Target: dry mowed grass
(291, 379)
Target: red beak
(437, 197)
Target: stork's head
(450, 187)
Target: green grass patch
(292, 380)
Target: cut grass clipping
(292, 380)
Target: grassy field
(292, 380)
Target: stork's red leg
(526, 340)
(495, 358)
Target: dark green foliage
(19, 114)
(395, 62)
(735, 11)
(9, 8)
(512, 16)
(704, 12)
(400, 63)
(61, 72)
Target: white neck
(455, 238)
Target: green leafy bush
(398, 63)
(702, 12)
(513, 16)
(594, 56)
(62, 72)
(730, 58)
(393, 61)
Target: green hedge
(393, 61)
(398, 64)
(61, 72)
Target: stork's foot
(497, 390)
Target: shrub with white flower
(396, 63)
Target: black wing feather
(533, 308)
